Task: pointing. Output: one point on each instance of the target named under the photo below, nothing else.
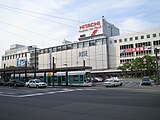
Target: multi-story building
(17, 55)
(100, 45)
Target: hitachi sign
(92, 24)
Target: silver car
(36, 83)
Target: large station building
(99, 44)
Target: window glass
(92, 43)
(120, 40)
(64, 47)
(130, 38)
(142, 37)
(136, 38)
(98, 42)
(54, 49)
(125, 39)
(104, 41)
(80, 45)
(85, 44)
(75, 46)
(110, 42)
(69, 47)
(154, 35)
(76, 78)
(115, 41)
(148, 36)
(59, 48)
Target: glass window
(80, 45)
(130, 38)
(54, 49)
(69, 47)
(10, 56)
(154, 35)
(125, 39)
(64, 47)
(110, 42)
(75, 46)
(104, 41)
(136, 38)
(85, 44)
(59, 48)
(142, 37)
(148, 36)
(98, 42)
(46, 50)
(115, 41)
(92, 43)
(120, 40)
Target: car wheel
(37, 86)
(28, 86)
(121, 84)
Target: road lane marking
(128, 83)
(41, 93)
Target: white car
(35, 83)
(114, 81)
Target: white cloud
(135, 25)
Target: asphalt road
(84, 103)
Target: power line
(44, 36)
(17, 35)
(41, 13)
(23, 10)
(39, 17)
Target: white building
(100, 45)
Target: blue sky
(128, 15)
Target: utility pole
(26, 67)
(53, 73)
(35, 65)
(157, 70)
(4, 72)
(84, 64)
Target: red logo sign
(94, 32)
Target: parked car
(114, 81)
(2, 82)
(36, 83)
(97, 79)
(13, 82)
(146, 81)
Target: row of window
(125, 60)
(142, 44)
(20, 55)
(135, 38)
(74, 46)
(139, 53)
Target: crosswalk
(22, 93)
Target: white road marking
(41, 93)
(128, 83)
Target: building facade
(99, 45)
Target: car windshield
(109, 80)
(38, 81)
(146, 79)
